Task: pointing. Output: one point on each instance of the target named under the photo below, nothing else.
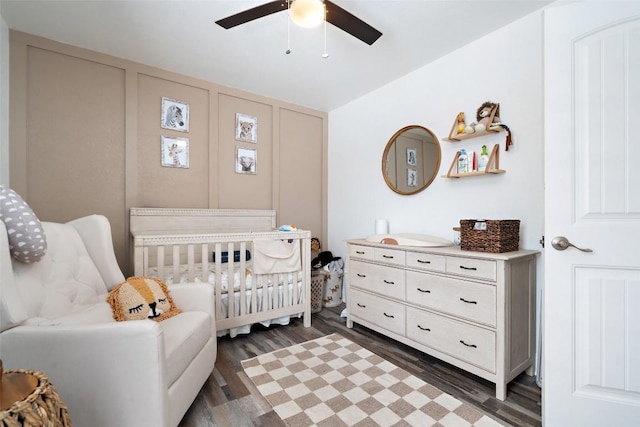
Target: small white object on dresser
(474, 310)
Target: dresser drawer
(387, 281)
(357, 251)
(478, 268)
(465, 342)
(387, 314)
(468, 300)
(390, 256)
(429, 262)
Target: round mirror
(411, 160)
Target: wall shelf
(454, 136)
(493, 166)
(462, 136)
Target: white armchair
(54, 319)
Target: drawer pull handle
(424, 329)
(388, 256)
(468, 345)
(468, 268)
(468, 302)
(362, 305)
(361, 275)
(389, 282)
(424, 262)
(360, 252)
(388, 315)
(424, 291)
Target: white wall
(504, 66)
(4, 102)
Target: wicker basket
(318, 279)
(494, 236)
(42, 407)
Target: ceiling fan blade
(351, 24)
(253, 13)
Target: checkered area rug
(333, 382)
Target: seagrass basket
(42, 407)
(494, 236)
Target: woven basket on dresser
(499, 236)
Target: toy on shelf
(461, 123)
(488, 121)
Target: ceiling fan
(334, 15)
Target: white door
(591, 344)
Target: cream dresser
(471, 309)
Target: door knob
(561, 243)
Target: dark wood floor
(228, 398)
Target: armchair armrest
(84, 358)
(195, 297)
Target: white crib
(219, 246)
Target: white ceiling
(181, 36)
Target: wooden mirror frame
(427, 177)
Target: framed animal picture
(412, 156)
(175, 115)
(175, 152)
(412, 177)
(246, 160)
(246, 128)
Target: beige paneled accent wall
(75, 154)
(245, 190)
(300, 160)
(85, 137)
(175, 187)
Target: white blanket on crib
(275, 256)
(210, 277)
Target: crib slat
(204, 256)
(145, 261)
(176, 263)
(306, 280)
(254, 288)
(266, 304)
(231, 300)
(243, 278)
(218, 290)
(190, 263)
(160, 262)
(285, 284)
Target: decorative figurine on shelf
(461, 123)
(485, 122)
(483, 116)
(488, 119)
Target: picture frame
(412, 177)
(174, 152)
(175, 115)
(246, 128)
(412, 156)
(246, 160)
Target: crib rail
(268, 297)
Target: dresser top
(447, 250)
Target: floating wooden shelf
(454, 136)
(463, 136)
(493, 166)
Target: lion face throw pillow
(142, 298)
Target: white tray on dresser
(471, 309)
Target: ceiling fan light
(307, 13)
